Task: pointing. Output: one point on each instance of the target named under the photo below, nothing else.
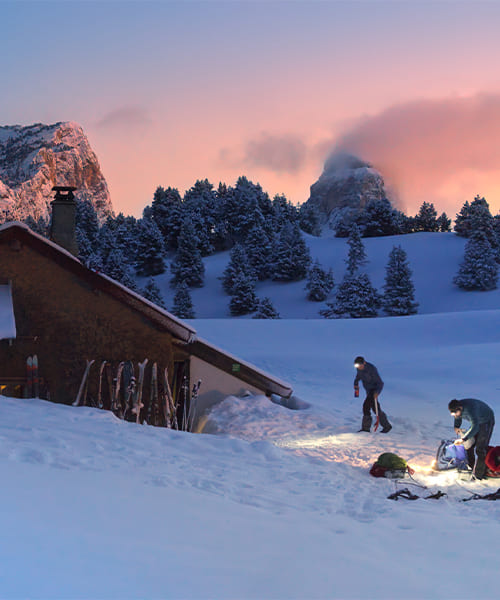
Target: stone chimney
(63, 224)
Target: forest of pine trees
(265, 240)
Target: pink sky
(172, 92)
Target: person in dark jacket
(373, 384)
(477, 437)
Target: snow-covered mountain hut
(66, 314)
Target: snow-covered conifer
(355, 298)
(380, 219)
(426, 219)
(259, 251)
(309, 219)
(167, 214)
(238, 264)
(187, 265)
(479, 269)
(40, 225)
(356, 256)
(319, 282)
(183, 303)
(117, 267)
(243, 298)
(86, 220)
(150, 248)
(444, 223)
(399, 291)
(292, 257)
(152, 293)
(266, 310)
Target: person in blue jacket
(477, 437)
(373, 384)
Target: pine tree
(356, 298)
(292, 257)
(444, 223)
(243, 299)
(259, 251)
(86, 220)
(284, 212)
(117, 268)
(319, 283)
(380, 219)
(150, 249)
(187, 265)
(266, 310)
(238, 264)
(475, 218)
(119, 233)
(479, 269)
(40, 225)
(152, 293)
(167, 214)
(426, 219)
(310, 219)
(356, 256)
(200, 203)
(183, 304)
(399, 291)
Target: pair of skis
(132, 403)
(123, 395)
(32, 381)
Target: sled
(450, 456)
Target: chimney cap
(64, 192)
(64, 188)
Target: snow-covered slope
(280, 504)
(433, 257)
(35, 158)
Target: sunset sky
(172, 92)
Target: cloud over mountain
(446, 150)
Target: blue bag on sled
(450, 456)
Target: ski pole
(375, 401)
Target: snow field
(279, 503)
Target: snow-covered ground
(279, 503)
(433, 257)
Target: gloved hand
(356, 391)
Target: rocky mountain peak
(346, 182)
(36, 157)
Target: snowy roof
(7, 320)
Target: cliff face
(346, 182)
(35, 158)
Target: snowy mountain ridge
(34, 158)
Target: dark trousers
(480, 447)
(368, 406)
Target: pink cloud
(445, 151)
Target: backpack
(391, 466)
(492, 461)
(450, 456)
